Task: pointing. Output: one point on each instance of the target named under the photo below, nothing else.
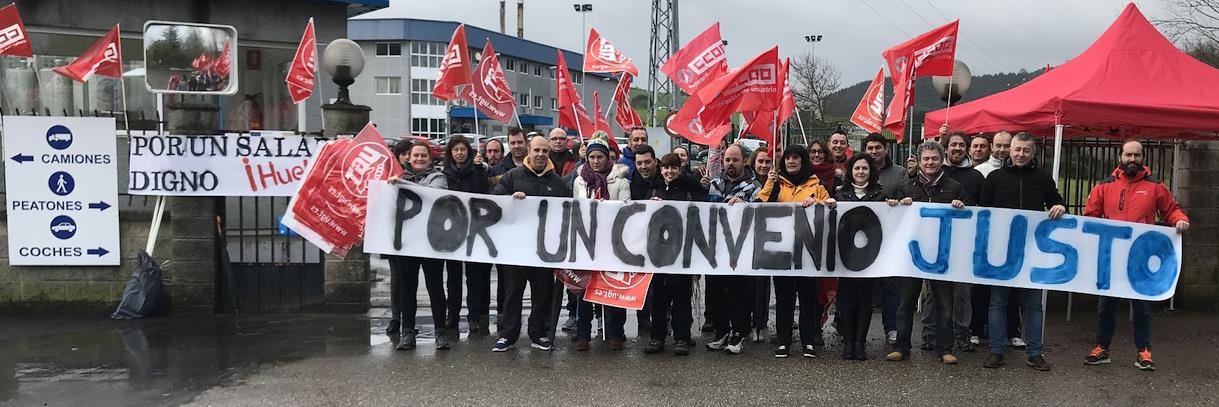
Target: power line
(971, 41)
(882, 16)
(933, 25)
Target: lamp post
(583, 9)
(813, 39)
(952, 87)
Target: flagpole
(301, 111)
(949, 108)
(122, 80)
(801, 122)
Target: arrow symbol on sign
(22, 158)
(100, 206)
(98, 251)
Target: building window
(389, 49)
(554, 104)
(537, 102)
(552, 70)
(509, 64)
(389, 85)
(427, 54)
(430, 128)
(524, 67)
(522, 100)
(421, 92)
(537, 70)
(576, 79)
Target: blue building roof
(410, 29)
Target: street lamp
(952, 87)
(583, 9)
(813, 39)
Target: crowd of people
(993, 171)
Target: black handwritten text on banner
(262, 164)
(974, 245)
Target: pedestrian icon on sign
(59, 137)
(61, 183)
(63, 227)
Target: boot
(393, 327)
(442, 339)
(408, 340)
(861, 333)
(476, 326)
(846, 327)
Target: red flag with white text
(572, 113)
(455, 67)
(701, 60)
(601, 56)
(491, 94)
(618, 289)
(104, 57)
(787, 106)
(931, 53)
(868, 114)
(760, 125)
(14, 40)
(686, 122)
(330, 207)
(625, 115)
(754, 86)
(303, 71)
(601, 124)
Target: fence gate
(273, 269)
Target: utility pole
(663, 43)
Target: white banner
(257, 164)
(990, 246)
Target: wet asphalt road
(335, 360)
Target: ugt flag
(601, 56)
(13, 38)
(625, 115)
(491, 94)
(572, 113)
(455, 67)
(303, 71)
(867, 114)
(931, 53)
(104, 57)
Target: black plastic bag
(143, 288)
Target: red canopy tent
(1131, 81)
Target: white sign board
(261, 164)
(61, 179)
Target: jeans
(404, 282)
(981, 313)
(1034, 314)
(888, 302)
(787, 290)
(1142, 322)
(478, 288)
(671, 294)
(909, 290)
(615, 320)
(854, 309)
(541, 285)
(962, 313)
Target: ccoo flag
(14, 40)
(455, 67)
(104, 57)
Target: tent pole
(1057, 167)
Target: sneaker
(1039, 363)
(570, 325)
(975, 340)
(1098, 356)
(895, 356)
(542, 344)
(681, 348)
(502, 345)
(810, 351)
(581, 345)
(718, 344)
(408, 340)
(616, 343)
(393, 327)
(993, 361)
(1017, 343)
(781, 352)
(1144, 361)
(949, 359)
(965, 346)
(654, 347)
(891, 337)
(735, 344)
(442, 339)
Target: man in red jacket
(1131, 194)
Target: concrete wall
(1196, 185)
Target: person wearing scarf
(831, 175)
(601, 179)
(793, 180)
(404, 270)
(855, 294)
(464, 175)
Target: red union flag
(625, 115)
(104, 57)
(701, 60)
(13, 38)
(329, 208)
(931, 53)
(760, 125)
(601, 56)
(753, 87)
(455, 67)
(868, 114)
(491, 94)
(601, 124)
(618, 289)
(304, 66)
(572, 113)
(787, 106)
(686, 122)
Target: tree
(813, 80)
(1194, 25)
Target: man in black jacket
(534, 177)
(643, 181)
(931, 184)
(1020, 184)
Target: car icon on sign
(64, 227)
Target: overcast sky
(1000, 36)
